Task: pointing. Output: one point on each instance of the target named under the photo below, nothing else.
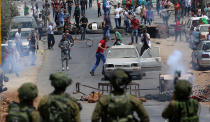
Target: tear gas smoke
(175, 63)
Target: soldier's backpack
(59, 109)
(187, 110)
(18, 113)
(120, 108)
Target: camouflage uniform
(60, 82)
(26, 93)
(125, 105)
(182, 108)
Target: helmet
(182, 89)
(60, 80)
(28, 91)
(119, 79)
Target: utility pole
(0, 33)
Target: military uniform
(24, 111)
(59, 106)
(183, 108)
(119, 106)
(65, 50)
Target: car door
(151, 60)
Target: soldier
(119, 106)
(65, 45)
(24, 111)
(182, 108)
(59, 106)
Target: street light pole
(0, 33)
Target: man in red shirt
(135, 25)
(100, 54)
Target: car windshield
(204, 29)
(16, 25)
(24, 35)
(206, 46)
(195, 23)
(122, 53)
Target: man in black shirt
(77, 15)
(83, 22)
(82, 4)
(69, 4)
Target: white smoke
(175, 62)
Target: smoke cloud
(175, 62)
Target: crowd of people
(118, 106)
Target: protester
(18, 42)
(143, 14)
(117, 16)
(83, 22)
(188, 7)
(165, 15)
(118, 37)
(145, 38)
(90, 3)
(77, 15)
(50, 37)
(120, 14)
(177, 11)
(100, 54)
(135, 26)
(149, 15)
(26, 9)
(99, 8)
(178, 29)
(107, 26)
(33, 46)
(82, 4)
(126, 20)
(196, 37)
(61, 18)
(69, 4)
(40, 26)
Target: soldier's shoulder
(134, 98)
(104, 99)
(44, 100)
(35, 115)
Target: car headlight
(134, 65)
(109, 65)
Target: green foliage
(8, 10)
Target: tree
(8, 10)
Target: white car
(23, 22)
(204, 29)
(25, 32)
(195, 20)
(201, 55)
(127, 57)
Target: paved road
(83, 58)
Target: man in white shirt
(121, 13)
(18, 41)
(50, 37)
(117, 16)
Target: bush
(8, 10)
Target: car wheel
(199, 67)
(140, 76)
